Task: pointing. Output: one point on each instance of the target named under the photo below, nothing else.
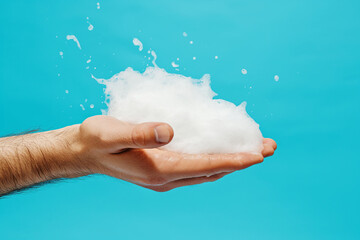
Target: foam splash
(72, 37)
(155, 57)
(138, 43)
(201, 123)
(174, 64)
(90, 27)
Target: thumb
(115, 135)
(147, 135)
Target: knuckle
(154, 181)
(161, 189)
(211, 159)
(138, 137)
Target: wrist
(73, 155)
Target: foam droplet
(185, 34)
(244, 71)
(276, 78)
(72, 37)
(174, 65)
(91, 27)
(137, 42)
(191, 42)
(155, 57)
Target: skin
(105, 145)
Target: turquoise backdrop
(309, 190)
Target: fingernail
(162, 134)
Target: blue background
(308, 190)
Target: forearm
(33, 158)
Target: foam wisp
(201, 123)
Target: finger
(147, 135)
(116, 135)
(186, 182)
(270, 142)
(195, 165)
(268, 150)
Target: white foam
(137, 42)
(90, 27)
(276, 78)
(72, 37)
(185, 34)
(155, 57)
(201, 123)
(244, 71)
(98, 5)
(174, 65)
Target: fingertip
(271, 142)
(268, 150)
(163, 133)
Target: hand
(130, 152)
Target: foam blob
(73, 37)
(90, 27)
(138, 43)
(201, 123)
(174, 64)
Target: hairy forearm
(33, 158)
